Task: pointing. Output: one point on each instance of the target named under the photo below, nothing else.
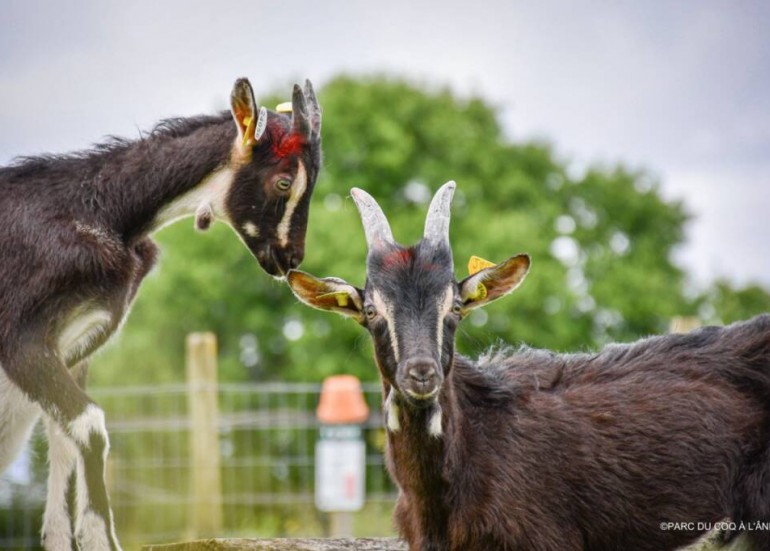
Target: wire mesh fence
(266, 435)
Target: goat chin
(392, 412)
(421, 401)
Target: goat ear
(328, 293)
(249, 120)
(493, 282)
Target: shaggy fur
(557, 452)
(529, 450)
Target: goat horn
(300, 120)
(376, 226)
(437, 221)
(315, 109)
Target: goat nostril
(422, 375)
(298, 256)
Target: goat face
(276, 160)
(411, 303)
(411, 307)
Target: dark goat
(530, 450)
(75, 247)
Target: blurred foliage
(601, 242)
(734, 304)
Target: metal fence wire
(266, 434)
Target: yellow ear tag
(248, 122)
(476, 264)
(284, 107)
(342, 298)
(480, 293)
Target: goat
(640, 446)
(75, 247)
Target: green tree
(601, 245)
(724, 303)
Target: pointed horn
(315, 109)
(376, 226)
(437, 221)
(300, 119)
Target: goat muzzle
(277, 261)
(420, 380)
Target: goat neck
(422, 466)
(252, 168)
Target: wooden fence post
(683, 324)
(205, 512)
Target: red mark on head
(284, 143)
(399, 257)
(288, 145)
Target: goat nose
(421, 370)
(295, 259)
(292, 256)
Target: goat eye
(283, 184)
(370, 312)
(457, 309)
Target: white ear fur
(471, 284)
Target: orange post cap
(342, 401)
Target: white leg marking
(81, 498)
(297, 192)
(391, 413)
(434, 425)
(92, 533)
(62, 459)
(386, 311)
(90, 529)
(90, 421)
(18, 416)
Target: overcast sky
(680, 88)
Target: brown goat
(638, 447)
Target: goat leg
(61, 505)
(79, 443)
